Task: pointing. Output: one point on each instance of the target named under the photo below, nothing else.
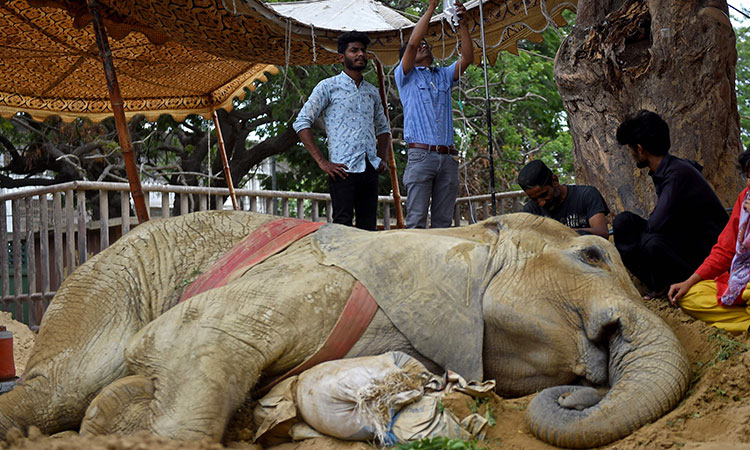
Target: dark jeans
(654, 258)
(356, 194)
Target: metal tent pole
(115, 98)
(487, 107)
(391, 157)
(225, 161)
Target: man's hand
(434, 4)
(460, 11)
(382, 166)
(334, 170)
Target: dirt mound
(715, 413)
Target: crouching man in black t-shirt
(582, 208)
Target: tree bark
(676, 58)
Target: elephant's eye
(591, 255)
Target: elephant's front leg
(196, 364)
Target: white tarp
(360, 15)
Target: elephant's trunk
(648, 371)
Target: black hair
(352, 36)
(744, 160)
(647, 129)
(534, 174)
(401, 52)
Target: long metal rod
(105, 53)
(391, 156)
(225, 162)
(487, 108)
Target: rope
(315, 52)
(287, 51)
(442, 34)
(208, 144)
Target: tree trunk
(676, 58)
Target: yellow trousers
(700, 303)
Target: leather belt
(442, 149)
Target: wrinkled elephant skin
(116, 353)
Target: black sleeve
(531, 207)
(595, 203)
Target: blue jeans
(430, 175)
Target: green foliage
(728, 347)
(440, 443)
(742, 73)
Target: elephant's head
(561, 310)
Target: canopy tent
(51, 66)
(249, 30)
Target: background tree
(675, 59)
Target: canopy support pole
(115, 98)
(391, 157)
(225, 162)
(487, 108)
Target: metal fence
(50, 231)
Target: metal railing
(55, 229)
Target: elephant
(517, 298)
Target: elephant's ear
(428, 282)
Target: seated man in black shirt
(582, 208)
(688, 216)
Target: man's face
(639, 155)
(424, 54)
(547, 196)
(355, 56)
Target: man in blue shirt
(358, 134)
(432, 165)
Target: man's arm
(597, 226)
(384, 141)
(420, 29)
(467, 46)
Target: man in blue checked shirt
(432, 166)
(358, 134)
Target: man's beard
(641, 164)
(354, 65)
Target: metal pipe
(225, 162)
(105, 53)
(487, 107)
(391, 156)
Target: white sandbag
(355, 399)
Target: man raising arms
(358, 134)
(432, 166)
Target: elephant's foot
(122, 407)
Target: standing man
(579, 207)
(358, 135)
(688, 216)
(432, 166)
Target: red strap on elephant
(269, 239)
(353, 321)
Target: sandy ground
(715, 413)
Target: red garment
(717, 264)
